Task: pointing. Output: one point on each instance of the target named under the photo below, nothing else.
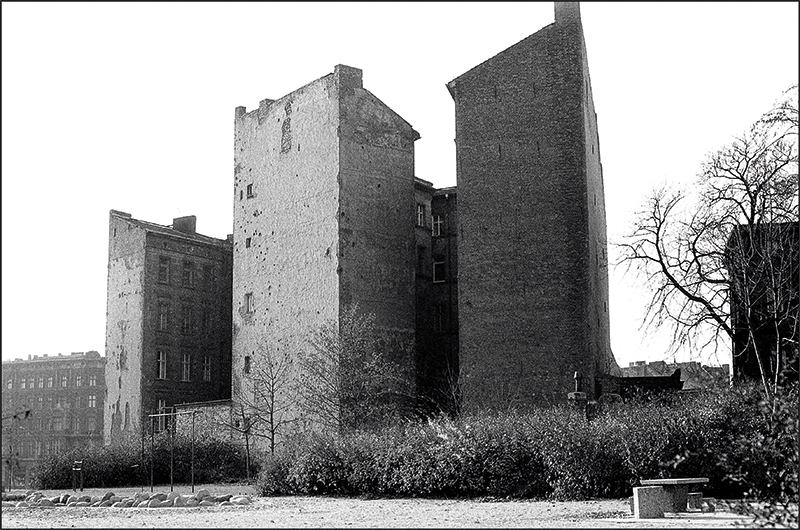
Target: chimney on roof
(186, 224)
(347, 77)
(567, 12)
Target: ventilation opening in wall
(247, 242)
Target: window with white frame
(206, 368)
(50, 382)
(40, 382)
(438, 223)
(187, 319)
(63, 381)
(78, 380)
(186, 372)
(162, 420)
(92, 401)
(22, 383)
(163, 316)
(161, 365)
(420, 215)
(92, 380)
(10, 383)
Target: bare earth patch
(305, 512)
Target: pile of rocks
(139, 500)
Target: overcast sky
(130, 106)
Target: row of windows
(49, 381)
(75, 425)
(37, 448)
(188, 274)
(186, 366)
(437, 223)
(61, 402)
(188, 322)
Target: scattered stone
(45, 502)
(107, 496)
(240, 499)
(65, 498)
(118, 504)
(191, 503)
(222, 498)
(106, 503)
(159, 496)
(179, 501)
(226, 503)
(202, 494)
(82, 504)
(84, 498)
(172, 494)
(96, 498)
(206, 503)
(22, 504)
(141, 496)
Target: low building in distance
(51, 404)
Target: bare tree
(350, 377)
(721, 260)
(264, 401)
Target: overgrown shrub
(555, 452)
(122, 464)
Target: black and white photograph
(363, 264)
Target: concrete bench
(676, 491)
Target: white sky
(130, 106)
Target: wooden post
(193, 412)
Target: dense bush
(555, 453)
(122, 464)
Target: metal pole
(141, 469)
(193, 451)
(171, 446)
(152, 450)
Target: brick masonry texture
(182, 309)
(533, 286)
(325, 204)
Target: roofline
(169, 231)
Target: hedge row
(122, 464)
(553, 453)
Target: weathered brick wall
(323, 195)
(208, 299)
(286, 156)
(377, 212)
(438, 326)
(527, 287)
(124, 317)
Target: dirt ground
(319, 512)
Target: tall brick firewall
(323, 218)
(532, 289)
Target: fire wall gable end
(286, 210)
(124, 317)
(376, 221)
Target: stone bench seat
(676, 491)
